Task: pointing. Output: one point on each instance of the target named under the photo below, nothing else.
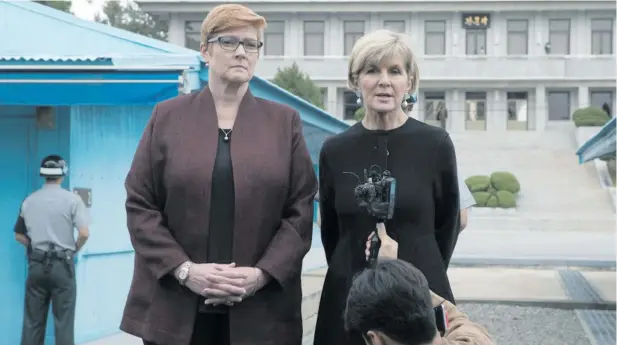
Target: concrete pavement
(561, 285)
(547, 287)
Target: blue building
(85, 91)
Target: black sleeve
(20, 223)
(327, 211)
(20, 226)
(446, 199)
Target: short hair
(378, 46)
(393, 298)
(230, 16)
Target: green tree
(359, 114)
(300, 84)
(64, 6)
(128, 16)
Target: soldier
(45, 226)
(442, 115)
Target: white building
(497, 65)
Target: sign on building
(476, 20)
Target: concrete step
(548, 223)
(557, 193)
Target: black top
(222, 204)
(425, 223)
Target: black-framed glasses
(231, 43)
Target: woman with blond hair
(220, 206)
(424, 227)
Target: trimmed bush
(590, 117)
(492, 202)
(503, 180)
(481, 198)
(497, 190)
(506, 199)
(359, 114)
(479, 183)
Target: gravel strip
(513, 325)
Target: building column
(541, 110)
(496, 119)
(583, 97)
(175, 32)
(456, 110)
(332, 102)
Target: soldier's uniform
(49, 217)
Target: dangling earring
(359, 95)
(405, 100)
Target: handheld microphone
(374, 250)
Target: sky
(86, 9)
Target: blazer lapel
(243, 148)
(205, 134)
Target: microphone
(374, 249)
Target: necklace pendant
(226, 138)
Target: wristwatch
(183, 272)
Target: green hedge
(590, 117)
(497, 190)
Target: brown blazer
(168, 201)
(461, 331)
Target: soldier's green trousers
(50, 280)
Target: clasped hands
(225, 283)
(389, 247)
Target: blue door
(17, 143)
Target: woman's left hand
(255, 280)
(389, 247)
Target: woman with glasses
(220, 205)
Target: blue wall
(103, 141)
(28, 145)
(99, 142)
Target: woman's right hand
(218, 280)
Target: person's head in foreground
(383, 72)
(230, 42)
(390, 304)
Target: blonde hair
(378, 46)
(230, 16)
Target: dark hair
(393, 298)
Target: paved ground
(519, 248)
(514, 325)
(519, 306)
(558, 303)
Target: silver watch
(183, 272)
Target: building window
(395, 25)
(598, 98)
(558, 105)
(601, 36)
(517, 110)
(192, 35)
(518, 32)
(354, 29)
(433, 101)
(274, 38)
(314, 32)
(350, 103)
(435, 37)
(476, 41)
(475, 110)
(559, 36)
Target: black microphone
(374, 250)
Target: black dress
(426, 216)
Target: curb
(555, 304)
(527, 263)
